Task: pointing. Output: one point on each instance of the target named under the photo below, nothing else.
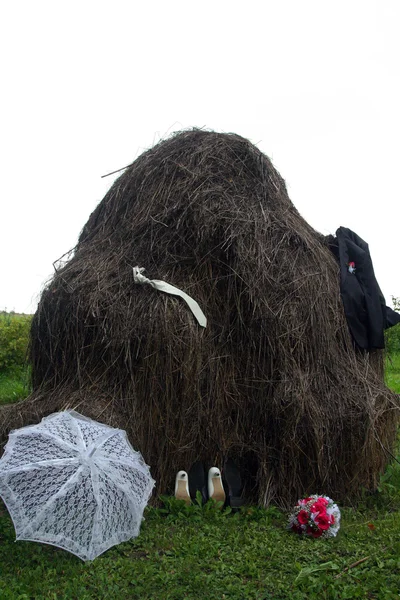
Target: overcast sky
(87, 85)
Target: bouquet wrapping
(315, 516)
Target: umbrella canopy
(74, 483)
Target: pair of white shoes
(214, 486)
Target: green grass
(393, 372)
(14, 385)
(205, 554)
(202, 553)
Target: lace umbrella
(74, 483)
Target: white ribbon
(162, 286)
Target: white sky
(87, 85)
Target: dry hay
(273, 381)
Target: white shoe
(215, 487)
(182, 487)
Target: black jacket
(364, 305)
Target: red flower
(319, 505)
(317, 534)
(323, 521)
(332, 518)
(303, 502)
(313, 533)
(302, 517)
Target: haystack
(273, 381)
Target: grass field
(202, 553)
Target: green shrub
(392, 335)
(14, 337)
(392, 340)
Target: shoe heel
(215, 488)
(182, 487)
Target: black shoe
(198, 481)
(235, 502)
(233, 484)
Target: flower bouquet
(316, 516)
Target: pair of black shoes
(227, 488)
